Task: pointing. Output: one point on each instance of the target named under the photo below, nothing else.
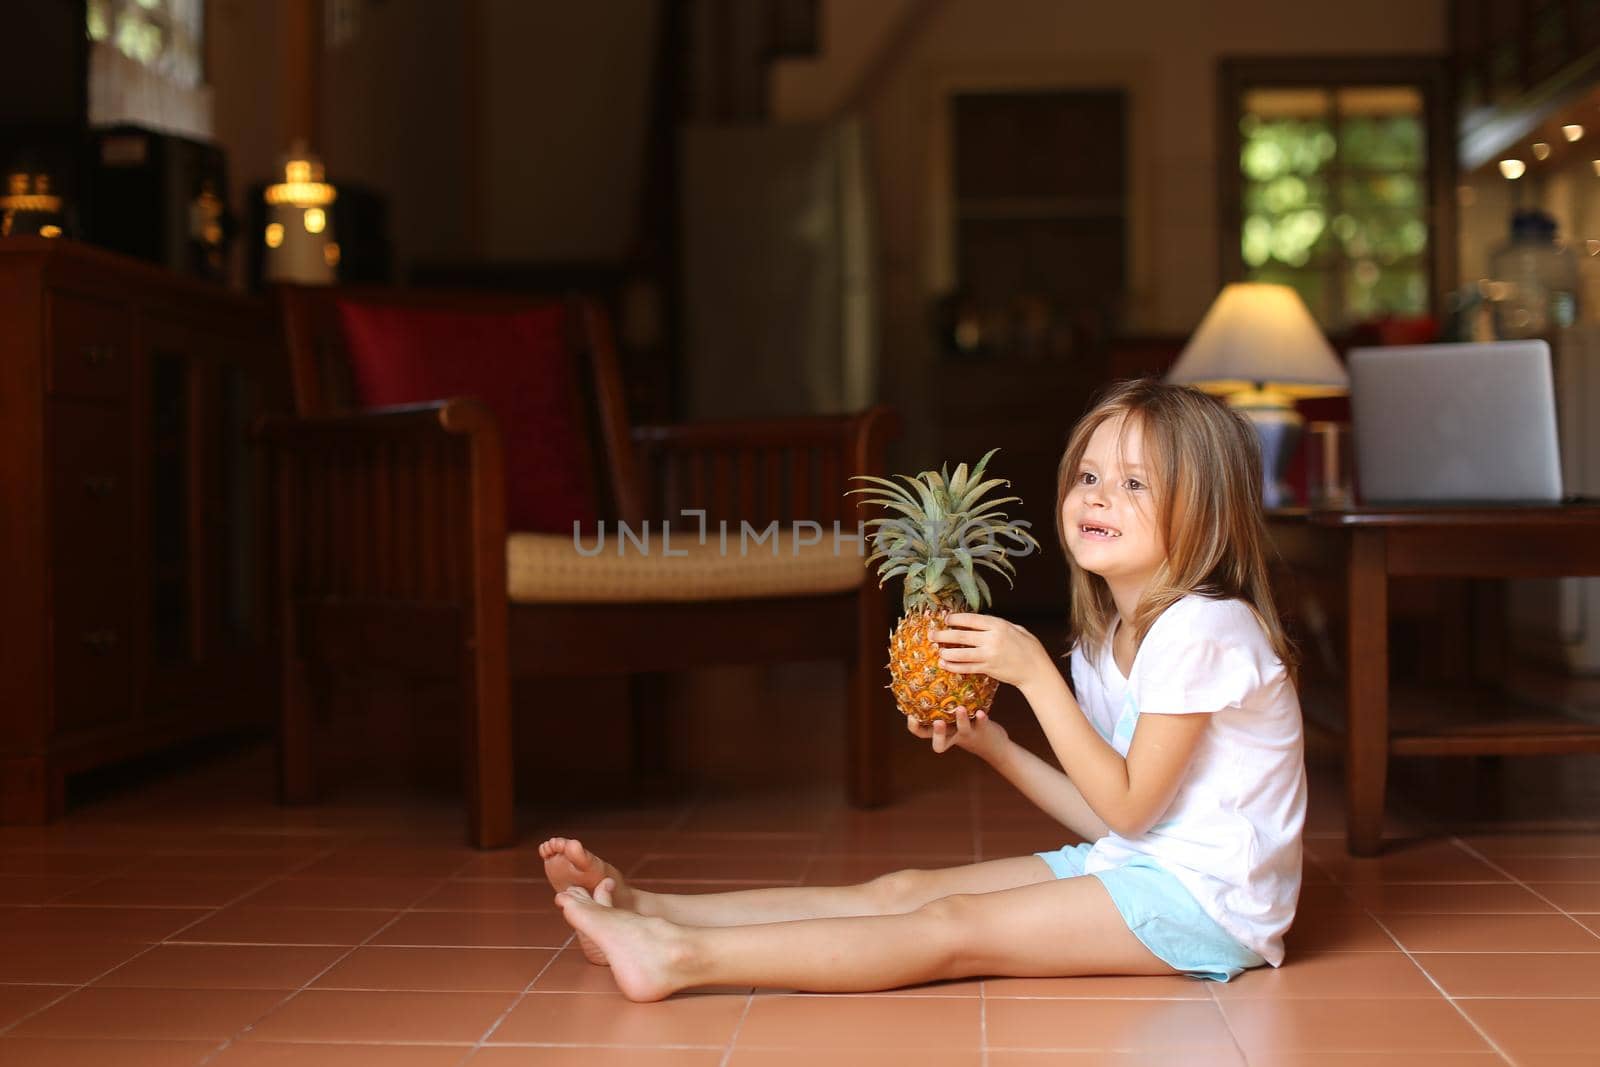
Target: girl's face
(1109, 514)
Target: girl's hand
(983, 644)
(979, 736)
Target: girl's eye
(1085, 478)
(1135, 484)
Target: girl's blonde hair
(1204, 465)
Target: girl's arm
(1128, 794)
(1052, 791)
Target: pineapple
(943, 532)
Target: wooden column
(302, 71)
(1367, 695)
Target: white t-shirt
(1232, 832)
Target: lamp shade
(1258, 334)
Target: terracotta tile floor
(183, 918)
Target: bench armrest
(397, 503)
(459, 415)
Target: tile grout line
(1211, 991)
(306, 985)
(73, 990)
(733, 1038)
(483, 1039)
(344, 837)
(1470, 1021)
(518, 999)
(523, 993)
(1518, 881)
(750, 997)
(1478, 854)
(657, 837)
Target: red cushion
(515, 362)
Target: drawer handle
(98, 355)
(100, 486)
(100, 641)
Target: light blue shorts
(1163, 915)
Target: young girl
(1182, 757)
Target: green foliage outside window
(167, 36)
(1335, 203)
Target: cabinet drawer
(90, 346)
(91, 648)
(91, 555)
(90, 470)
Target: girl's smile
(1100, 532)
(1111, 502)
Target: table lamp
(299, 232)
(1259, 348)
(28, 206)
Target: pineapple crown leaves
(943, 531)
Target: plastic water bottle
(1534, 283)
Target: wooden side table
(1372, 545)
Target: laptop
(1455, 424)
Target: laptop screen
(1455, 423)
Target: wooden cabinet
(131, 534)
(1025, 408)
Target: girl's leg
(567, 863)
(889, 894)
(1051, 929)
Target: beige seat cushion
(551, 569)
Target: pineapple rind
(920, 686)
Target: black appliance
(160, 197)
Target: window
(146, 65)
(165, 36)
(1331, 178)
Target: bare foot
(567, 863)
(591, 951)
(647, 955)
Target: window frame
(1428, 74)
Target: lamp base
(1278, 429)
